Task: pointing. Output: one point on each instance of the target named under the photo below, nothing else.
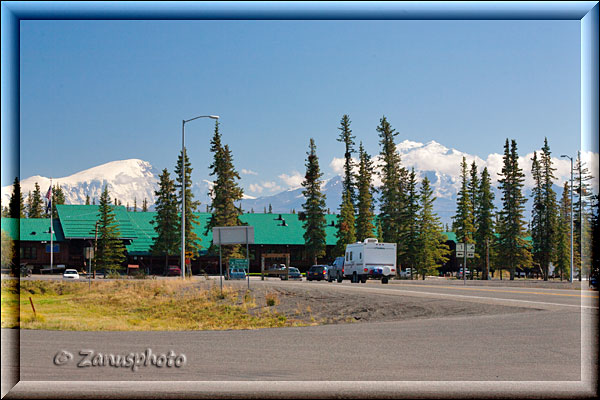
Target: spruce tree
(28, 204)
(464, 217)
(314, 207)
(346, 231)
(110, 251)
(145, 205)
(391, 198)
(270, 209)
(87, 199)
(595, 231)
(166, 222)
(134, 204)
(16, 205)
(511, 228)
(225, 192)
(192, 247)
(432, 249)
(484, 222)
(562, 256)
(347, 138)
(410, 214)
(36, 207)
(545, 209)
(58, 197)
(581, 216)
(364, 219)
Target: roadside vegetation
(134, 306)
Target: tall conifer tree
(166, 223)
(346, 232)
(16, 204)
(110, 249)
(581, 216)
(484, 222)
(314, 206)
(562, 256)
(364, 219)
(511, 229)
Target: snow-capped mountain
(126, 180)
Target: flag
(49, 197)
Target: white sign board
(460, 254)
(460, 247)
(471, 247)
(233, 235)
(470, 255)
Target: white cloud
(248, 172)
(337, 165)
(294, 180)
(256, 188)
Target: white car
(70, 274)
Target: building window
(29, 253)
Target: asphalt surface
(555, 341)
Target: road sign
(238, 263)
(233, 234)
(470, 255)
(460, 254)
(471, 247)
(460, 247)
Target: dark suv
(317, 272)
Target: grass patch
(138, 305)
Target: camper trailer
(370, 260)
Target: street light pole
(570, 158)
(183, 188)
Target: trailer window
(347, 259)
(360, 256)
(350, 256)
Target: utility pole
(95, 246)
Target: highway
(541, 343)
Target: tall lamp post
(570, 158)
(183, 188)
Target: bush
(272, 299)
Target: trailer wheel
(363, 279)
(340, 278)
(384, 280)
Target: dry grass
(133, 306)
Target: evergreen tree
(36, 205)
(581, 216)
(145, 205)
(594, 257)
(16, 205)
(511, 229)
(225, 192)
(484, 222)
(465, 214)
(94, 201)
(314, 206)
(432, 249)
(28, 204)
(409, 243)
(265, 210)
(346, 231)
(134, 204)
(110, 252)
(391, 198)
(544, 214)
(166, 222)
(192, 247)
(347, 138)
(270, 209)
(562, 258)
(364, 219)
(58, 197)
(87, 199)
(379, 231)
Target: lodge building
(75, 229)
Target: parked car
(275, 270)
(236, 273)
(293, 273)
(459, 274)
(317, 272)
(70, 274)
(335, 271)
(405, 273)
(173, 270)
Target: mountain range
(135, 180)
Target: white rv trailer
(370, 259)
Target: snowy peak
(127, 180)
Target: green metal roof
(268, 229)
(33, 229)
(78, 221)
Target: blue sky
(99, 91)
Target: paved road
(544, 344)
